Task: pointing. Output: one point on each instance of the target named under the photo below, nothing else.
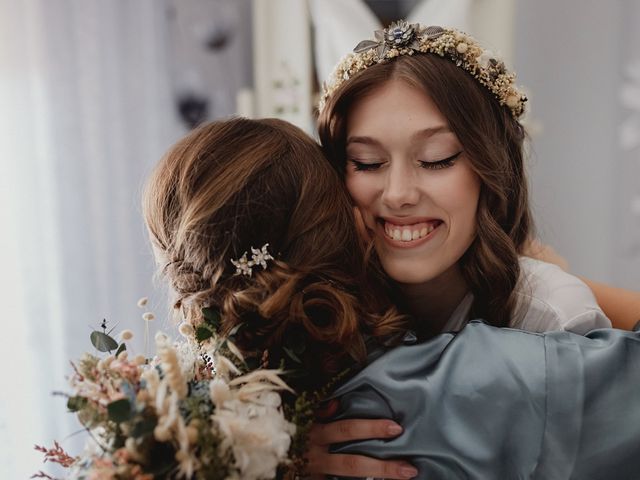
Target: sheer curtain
(86, 111)
(627, 261)
(581, 63)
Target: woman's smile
(408, 234)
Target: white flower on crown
(484, 58)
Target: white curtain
(580, 61)
(627, 258)
(86, 110)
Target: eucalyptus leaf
(77, 403)
(120, 439)
(252, 363)
(365, 45)
(144, 427)
(103, 342)
(121, 348)
(299, 347)
(291, 354)
(203, 333)
(212, 317)
(296, 342)
(119, 410)
(161, 458)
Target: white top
(548, 298)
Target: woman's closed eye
(360, 165)
(439, 164)
(364, 166)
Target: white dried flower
(257, 434)
(139, 359)
(512, 101)
(224, 366)
(186, 330)
(484, 57)
(235, 350)
(142, 302)
(162, 433)
(263, 378)
(219, 392)
(188, 358)
(171, 365)
(192, 434)
(126, 335)
(105, 363)
(131, 445)
(148, 316)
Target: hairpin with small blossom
(244, 266)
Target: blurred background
(93, 92)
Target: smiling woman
(431, 149)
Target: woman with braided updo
(233, 186)
(262, 188)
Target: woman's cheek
(360, 188)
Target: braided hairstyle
(236, 184)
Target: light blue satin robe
(492, 403)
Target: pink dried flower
(56, 455)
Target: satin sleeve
(491, 403)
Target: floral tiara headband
(402, 38)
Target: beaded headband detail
(402, 38)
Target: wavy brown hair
(232, 185)
(493, 141)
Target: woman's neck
(433, 302)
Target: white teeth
(407, 234)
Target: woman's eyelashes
(369, 165)
(439, 164)
(360, 166)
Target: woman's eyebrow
(429, 132)
(419, 135)
(363, 140)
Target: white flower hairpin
(244, 266)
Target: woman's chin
(407, 272)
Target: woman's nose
(400, 187)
